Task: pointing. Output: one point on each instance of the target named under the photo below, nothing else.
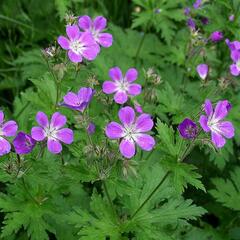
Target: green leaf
(227, 191)
(100, 224)
(184, 174)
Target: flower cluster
(85, 44)
(84, 41)
(235, 56)
(211, 122)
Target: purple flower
(202, 70)
(205, 20)
(187, 11)
(7, 129)
(188, 129)
(96, 27)
(53, 132)
(80, 100)
(131, 131)
(79, 45)
(235, 45)
(214, 123)
(197, 4)
(91, 128)
(138, 107)
(23, 143)
(235, 67)
(191, 24)
(231, 18)
(122, 86)
(216, 36)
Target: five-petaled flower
(23, 143)
(133, 130)
(122, 86)
(96, 27)
(79, 45)
(214, 123)
(7, 129)
(80, 100)
(188, 129)
(53, 132)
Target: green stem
(17, 22)
(57, 82)
(109, 198)
(26, 189)
(151, 194)
(139, 47)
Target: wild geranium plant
(112, 133)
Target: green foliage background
(41, 198)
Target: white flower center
(1, 131)
(122, 85)
(76, 47)
(50, 132)
(94, 33)
(129, 132)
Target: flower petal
(127, 148)
(131, 74)
(120, 97)
(145, 141)
(115, 73)
(58, 120)
(218, 140)
(54, 146)
(71, 99)
(5, 146)
(109, 87)
(220, 111)
(73, 32)
(202, 70)
(1, 117)
(226, 129)
(38, 134)
(74, 57)
(85, 22)
(42, 119)
(99, 23)
(235, 55)
(144, 123)
(9, 128)
(203, 122)
(65, 135)
(91, 52)
(85, 94)
(208, 107)
(63, 42)
(234, 70)
(134, 89)
(114, 130)
(105, 39)
(126, 116)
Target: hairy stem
(109, 198)
(26, 189)
(139, 47)
(151, 194)
(56, 80)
